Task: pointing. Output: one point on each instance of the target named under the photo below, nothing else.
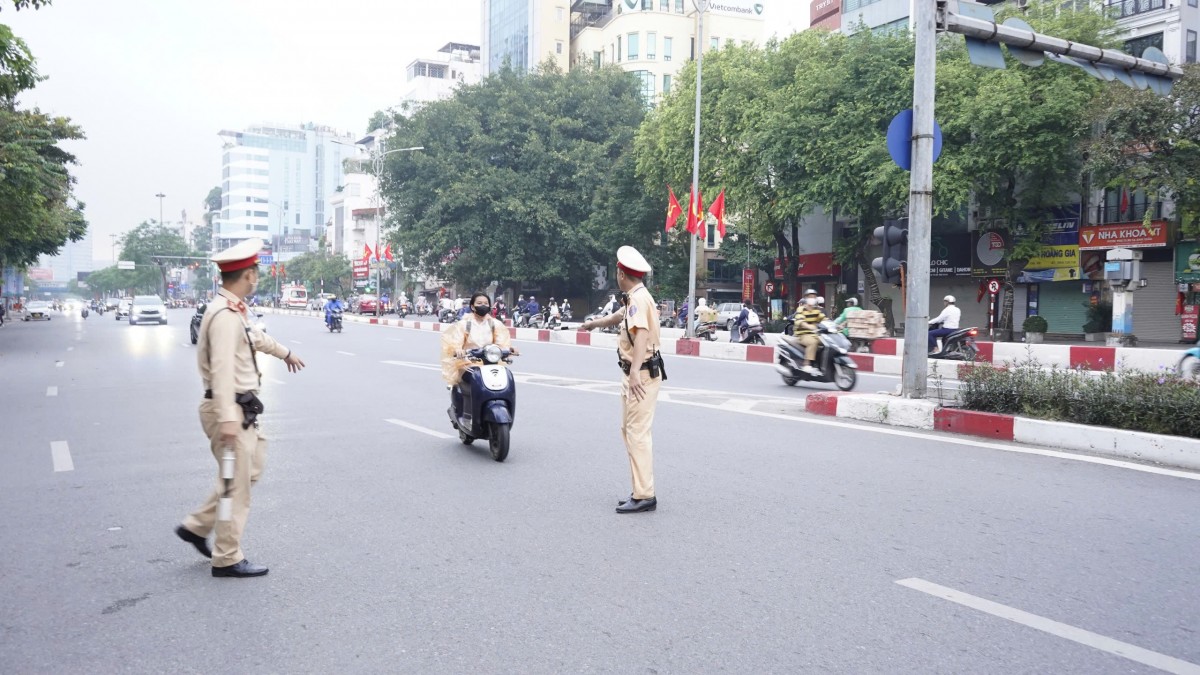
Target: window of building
(667, 48)
(651, 46)
(851, 5)
(679, 6)
(647, 79)
(723, 272)
(558, 46)
(1136, 46)
(597, 59)
(559, 14)
(896, 27)
(1190, 55)
(618, 47)
(692, 53)
(634, 46)
(664, 5)
(1122, 8)
(711, 240)
(666, 84)
(647, 4)
(714, 43)
(258, 214)
(1192, 3)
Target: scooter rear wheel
(844, 377)
(498, 441)
(466, 440)
(789, 381)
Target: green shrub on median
(1158, 403)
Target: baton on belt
(225, 504)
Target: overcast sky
(152, 82)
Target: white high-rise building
(275, 180)
(73, 258)
(435, 76)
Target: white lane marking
(347, 353)
(1087, 638)
(859, 426)
(52, 391)
(70, 349)
(274, 380)
(395, 340)
(59, 364)
(414, 427)
(61, 454)
(297, 342)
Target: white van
(294, 297)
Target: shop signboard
(1123, 235)
(1187, 262)
(808, 265)
(1054, 258)
(988, 253)
(748, 275)
(361, 269)
(950, 255)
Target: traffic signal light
(894, 237)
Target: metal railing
(1133, 213)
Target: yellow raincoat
(470, 333)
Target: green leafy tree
(38, 212)
(29, 4)
(202, 235)
(1026, 128)
(524, 179)
(1152, 142)
(141, 245)
(319, 270)
(380, 120)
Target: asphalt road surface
(783, 543)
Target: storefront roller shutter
(1154, 306)
(1061, 304)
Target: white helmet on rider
(949, 299)
(852, 302)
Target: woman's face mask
(481, 310)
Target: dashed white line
(424, 430)
(297, 342)
(347, 353)
(59, 364)
(70, 349)
(52, 391)
(61, 455)
(1087, 638)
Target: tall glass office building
(524, 33)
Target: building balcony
(1121, 9)
(1133, 213)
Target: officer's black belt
(208, 393)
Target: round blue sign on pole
(899, 139)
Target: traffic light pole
(915, 363)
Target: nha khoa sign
(1123, 235)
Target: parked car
(111, 304)
(727, 314)
(36, 311)
(366, 304)
(123, 308)
(147, 309)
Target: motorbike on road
(753, 335)
(957, 346)
(706, 330)
(487, 400)
(446, 316)
(1189, 365)
(334, 322)
(84, 312)
(194, 326)
(833, 359)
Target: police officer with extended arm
(229, 370)
(638, 356)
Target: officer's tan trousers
(637, 418)
(250, 451)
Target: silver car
(147, 309)
(36, 311)
(727, 314)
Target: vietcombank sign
(748, 9)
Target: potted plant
(1099, 321)
(1035, 329)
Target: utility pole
(690, 301)
(160, 196)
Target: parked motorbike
(334, 322)
(833, 359)
(957, 346)
(706, 330)
(751, 336)
(1189, 365)
(489, 404)
(194, 327)
(535, 321)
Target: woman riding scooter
(475, 331)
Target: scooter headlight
(492, 354)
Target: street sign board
(125, 264)
(993, 286)
(769, 286)
(899, 139)
(266, 259)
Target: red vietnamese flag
(695, 216)
(387, 253)
(282, 271)
(674, 210)
(718, 211)
(272, 269)
(366, 252)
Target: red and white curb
(920, 414)
(884, 358)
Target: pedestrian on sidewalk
(229, 411)
(642, 365)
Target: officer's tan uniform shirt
(640, 313)
(223, 354)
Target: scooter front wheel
(844, 377)
(498, 441)
(466, 440)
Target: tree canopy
(524, 178)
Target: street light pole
(690, 301)
(377, 167)
(160, 208)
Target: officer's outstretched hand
(294, 363)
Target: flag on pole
(674, 210)
(282, 271)
(695, 217)
(1124, 202)
(387, 253)
(718, 211)
(366, 251)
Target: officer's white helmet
(949, 299)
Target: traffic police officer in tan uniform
(638, 356)
(229, 371)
